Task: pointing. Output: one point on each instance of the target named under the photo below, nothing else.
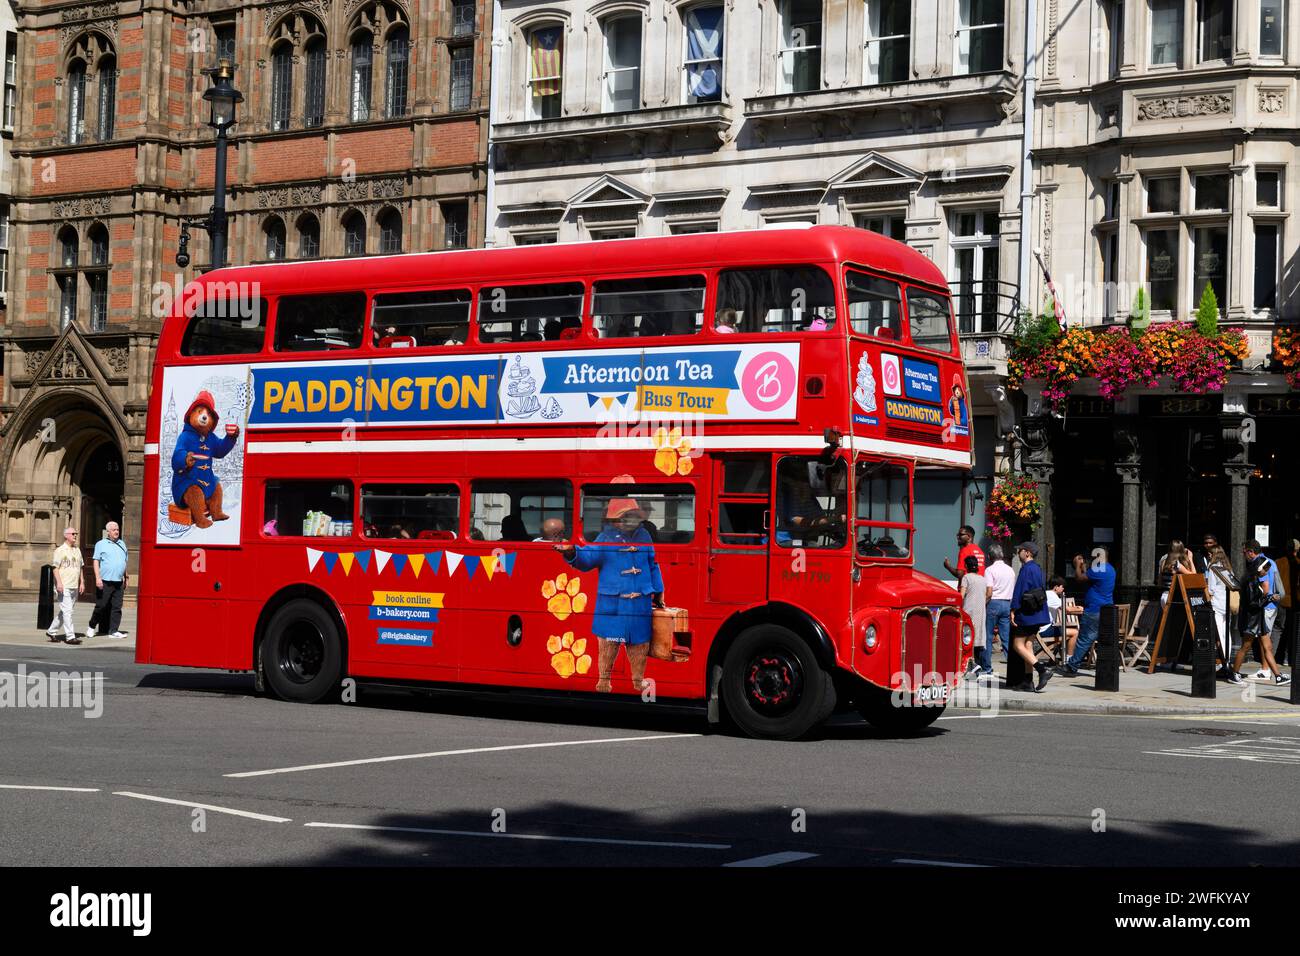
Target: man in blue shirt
(110, 582)
(1100, 577)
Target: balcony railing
(985, 308)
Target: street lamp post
(223, 98)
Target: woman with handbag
(1225, 600)
(1177, 561)
(1028, 614)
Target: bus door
(740, 528)
(809, 521)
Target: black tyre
(879, 708)
(773, 686)
(302, 653)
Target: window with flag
(622, 87)
(545, 71)
(703, 63)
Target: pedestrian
(1225, 601)
(1002, 582)
(975, 594)
(1177, 561)
(1028, 614)
(966, 547)
(1286, 572)
(69, 584)
(1100, 578)
(110, 584)
(1202, 558)
(1258, 612)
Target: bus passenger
(552, 530)
(629, 585)
(725, 321)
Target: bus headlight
(967, 635)
(870, 638)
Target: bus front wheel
(880, 709)
(773, 686)
(301, 653)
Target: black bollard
(45, 600)
(1295, 649)
(1204, 651)
(1108, 650)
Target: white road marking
(203, 806)
(773, 859)
(988, 717)
(457, 753)
(20, 786)
(521, 836)
(977, 866)
(30, 660)
(1259, 750)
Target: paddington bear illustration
(194, 484)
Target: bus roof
(520, 263)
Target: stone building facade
(1166, 134)
(363, 130)
(654, 117)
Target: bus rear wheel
(879, 708)
(302, 653)
(773, 686)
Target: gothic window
(91, 88)
(354, 234)
(107, 98)
(396, 76)
(297, 65)
(275, 238)
(76, 101)
(97, 278)
(390, 232)
(361, 70)
(308, 237)
(281, 86)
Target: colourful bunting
(381, 560)
(453, 562)
(509, 562)
(346, 557)
(313, 558)
(417, 562)
(331, 559)
(489, 564)
(471, 564)
(435, 561)
(363, 559)
(399, 563)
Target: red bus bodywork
(208, 604)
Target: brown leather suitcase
(670, 634)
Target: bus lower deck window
(666, 512)
(785, 299)
(811, 503)
(414, 511)
(521, 510)
(313, 509)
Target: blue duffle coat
(201, 473)
(629, 575)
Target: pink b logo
(891, 376)
(768, 381)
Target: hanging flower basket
(1118, 359)
(1013, 507)
(1286, 353)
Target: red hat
(621, 506)
(206, 400)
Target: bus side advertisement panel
(911, 402)
(200, 487)
(745, 382)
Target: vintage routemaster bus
(493, 468)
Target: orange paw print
(564, 596)
(673, 456)
(568, 657)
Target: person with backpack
(1028, 614)
(1259, 596)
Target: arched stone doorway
(63, 465)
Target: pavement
(1140, 693)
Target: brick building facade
(363, 130)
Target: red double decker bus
(675, 467)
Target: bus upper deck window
(875, 305)
(317, 323)
(653, 306)
(417, 319)
(929, 320)
(226, 327)
(785, 299)
(529, 313)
